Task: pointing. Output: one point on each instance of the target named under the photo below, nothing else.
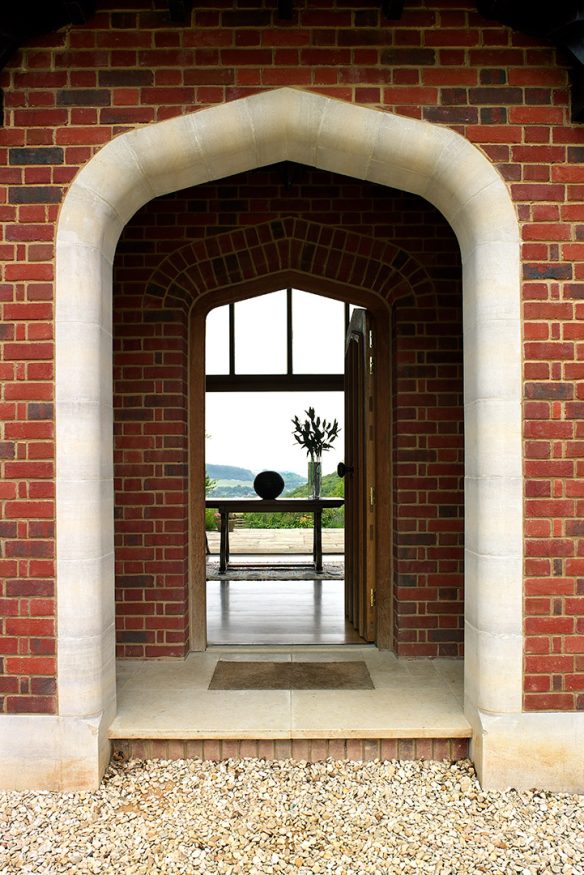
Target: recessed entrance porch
(310, 130)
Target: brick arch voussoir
(291, 244)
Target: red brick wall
(151, 479)
(428, 469)
(68, 93)
(150, 440)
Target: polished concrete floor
(278, 612)
(411, 699)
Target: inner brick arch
(321, 252)
(395, 151)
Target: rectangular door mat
(232, 675)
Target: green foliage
(210, 524)
(315, 435)
(332, 486)
(209, 512)
(332, 518)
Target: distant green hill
(229, 472)
(232, 490)
(292, 481)
(233, 482)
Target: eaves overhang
(560, 24)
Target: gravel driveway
(256, 817)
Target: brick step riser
(311, 750)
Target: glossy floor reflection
(278, 612)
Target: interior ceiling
(561, 24)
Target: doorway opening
(291, 382)
(281, 125)
(276, 573)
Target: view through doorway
(268, 359)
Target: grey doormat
(344, 675)
(331, 571)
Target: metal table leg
(224, 543)
(317, 542)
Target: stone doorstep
(172, 702)
(309, 749)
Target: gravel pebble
(268, 817)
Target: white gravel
(256, 817)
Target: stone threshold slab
(172, 700)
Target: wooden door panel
(359, 482)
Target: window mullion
(232, 339)
(289, 337)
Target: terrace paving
(278, 541)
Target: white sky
(254, 430)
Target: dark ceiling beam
(20, 21)
(568, 31)
(180, 11)
(561, 24)
(392, 9)
(8, 45)
(78, 11)
(577, 95)
(285, 10)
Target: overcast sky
(254, 430)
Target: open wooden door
(359, 472)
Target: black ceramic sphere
(268, 484)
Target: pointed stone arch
(283, 125)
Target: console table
(315, 506)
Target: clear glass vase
(314, 478)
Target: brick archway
(395, 151)
(256, 254)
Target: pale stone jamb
(285, 124)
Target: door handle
(343, 469)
